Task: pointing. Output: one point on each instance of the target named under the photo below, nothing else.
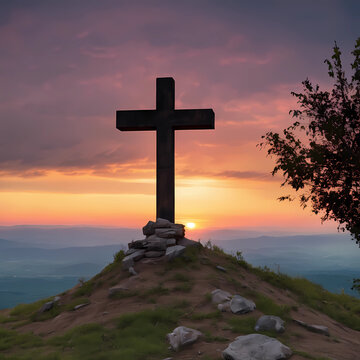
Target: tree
(319, 154)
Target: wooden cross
(165, 120)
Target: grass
(340, 307)
(308, 356)
(135, 336)
(242, 325)
(206, 315)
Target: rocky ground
(217, 295)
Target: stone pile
(162, 239)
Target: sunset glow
(62, 160)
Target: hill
(132, 323)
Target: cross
(165, 120)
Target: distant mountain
(61, 236)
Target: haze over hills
(40, 261)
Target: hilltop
(132, 323)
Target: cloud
(65, 69)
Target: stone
(47, 306)
(221, 268)
(117, 289)
(174, 251)
(241, 305)
(138, 244)
(162, 223)
(182, 336)
(149, 228)
(256, 347)
(157, 244)
(186, 242)
(270, 323)
(56, 299)
(219, 296)
(224, 307)
(132, 271)
(166, 233)
(170, 242)
(77, 307)
(129, 260)
(154, 254)
(130, 251)
(320, 329)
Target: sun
(191, 225)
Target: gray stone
(186, 242)
(219, 296)
(170, 242)
(223, 307)
(162, 223)
(138, 244)
(270, 323)
(154, 254)
(256, 347)
(241, 305)
(56, 299)
(129, 260)
(174, 251)
(221, 268)
(149, 228)
(117, 289)
(182, 336)
(77, 307)
(157, 244)
(130, 251)
(166, 233)
(132, 271)
(320, 329)
(47, 306)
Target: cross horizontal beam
(135, 120)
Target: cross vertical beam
(165, 152)
(165, 120)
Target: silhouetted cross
(165, 120)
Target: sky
(67, 66)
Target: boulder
(219, 296)
(167, 233)
(224, 307)
(130, 251)
(154, 254)
(182, 336)
(241, 305)
(157, 244)
(174, 251)
(149, 228)
(132, 271)
(162, 223)
(256, 347)
(221, 268)
(77, 307)
(138, 244)
(47, 306)
(129, 260)
(186, 242)
(270, 323)
(320, 329)
(117, 289)
(170, 242)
